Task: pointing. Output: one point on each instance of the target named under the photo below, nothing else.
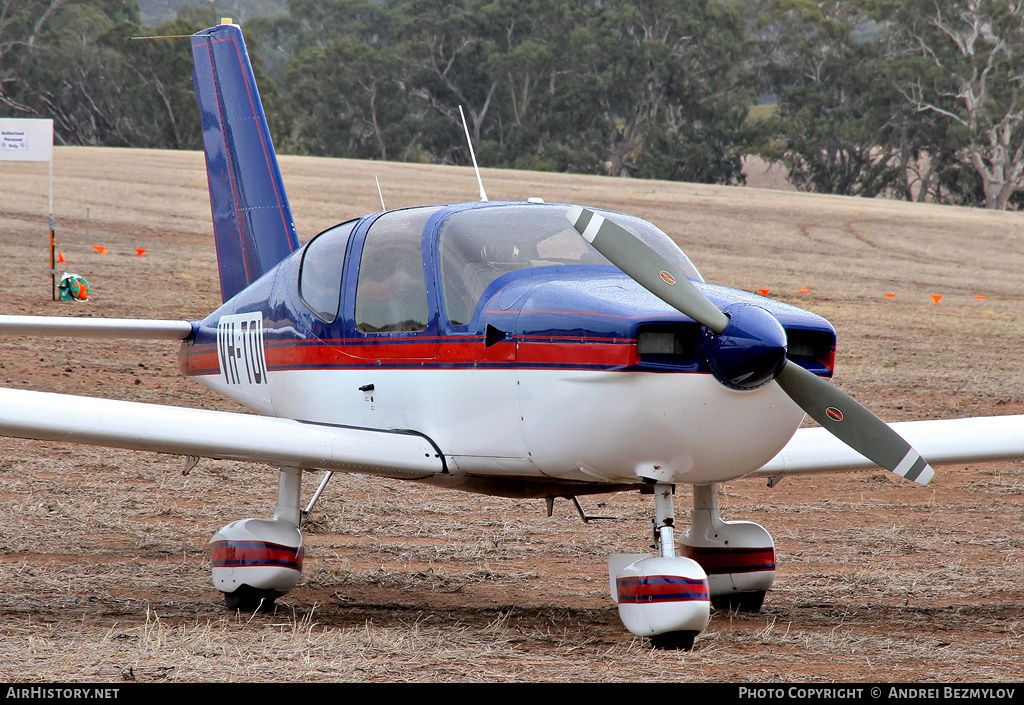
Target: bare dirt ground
(103, 553)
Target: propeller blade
(646, 267)
(853, 424)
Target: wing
(68, 326)
(215, 434)
(981, 439)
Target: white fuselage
(591, 426)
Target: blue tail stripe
(252, 219)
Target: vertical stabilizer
(252, 220)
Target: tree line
(911, 99)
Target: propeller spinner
(745, 347)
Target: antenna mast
(380, 193)
(472, 154)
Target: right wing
(46, 416)
(72, 327)
(197, 432)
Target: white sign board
(26, 140)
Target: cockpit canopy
(475, 245)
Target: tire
(250, 599)
(739, 601)
(677, 641)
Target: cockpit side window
(320, 271)
(391, 295)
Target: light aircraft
(520, 349)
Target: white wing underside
(286, 442)
(950, 441)
(214, 434)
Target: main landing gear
(668, 597)
(255, 561)
(738, 556)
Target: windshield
(477, 246)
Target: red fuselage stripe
(299, 355)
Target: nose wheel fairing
(668, 597)
(664, 597)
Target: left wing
(979, 439)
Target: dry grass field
(103, 553)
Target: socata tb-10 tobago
(515, 349)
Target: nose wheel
(663, 597)
(675, 641)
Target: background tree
(836, 123)
(351, 101)
(57, 69)
(684, 92)
(971, 76)
(914, 99)
(21, 24)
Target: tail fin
(252, 220)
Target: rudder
(252, 220)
